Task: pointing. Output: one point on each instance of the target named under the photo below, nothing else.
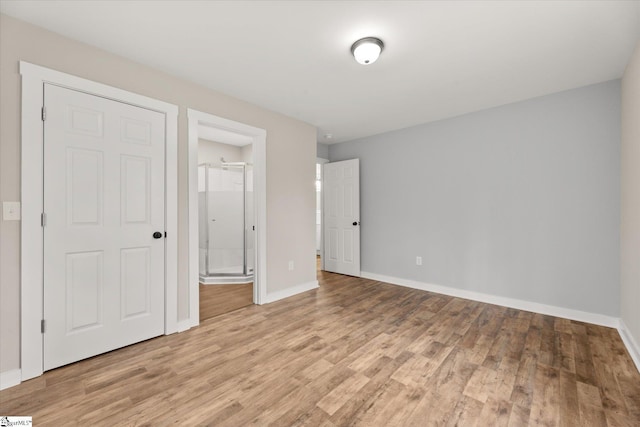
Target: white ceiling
(441, 58)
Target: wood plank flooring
(353, 352)
(219, 299)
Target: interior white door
(341, 189)
(104, 198)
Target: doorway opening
(226, 250)
(227, 215)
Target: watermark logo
(11, 421)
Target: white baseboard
(632, 345)
(10, 378)
(550, 310)
(289, 292)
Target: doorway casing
(259, 140)
(321, 161)
(32, 191)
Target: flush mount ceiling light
(367, 50)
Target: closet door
(104, 201)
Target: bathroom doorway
(226, 224)
(226, 215)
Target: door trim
(259, 137)
(322, 161)
(32, 157)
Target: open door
(341, 190)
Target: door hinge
(44, 113)
(43, 219)
(42, 326)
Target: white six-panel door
(341, 207)
(104, 273)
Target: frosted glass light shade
(366, 51)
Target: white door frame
(31, 234)
(322, 161)
(259, 136)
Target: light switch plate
(11, 211)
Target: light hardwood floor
(220, 299)
(353, 352)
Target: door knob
(356, 223)
(157, 235)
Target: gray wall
(323, 150)
(520, 201)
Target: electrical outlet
(418, 260)
(290, 265)
(11, 211)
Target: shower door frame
(259, 138)
(245, 269)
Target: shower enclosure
(226, 228)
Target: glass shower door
(225, 197)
